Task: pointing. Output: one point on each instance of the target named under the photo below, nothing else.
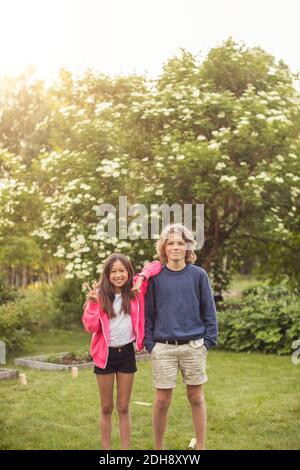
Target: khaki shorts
(189, 358)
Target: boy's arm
(150, 311)
(208, 312)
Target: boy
(180, 327)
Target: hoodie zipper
(138, 320)
(105, 340)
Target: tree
(223, 131)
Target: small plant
(74, 357)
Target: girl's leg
(124, 388)
(106, 392)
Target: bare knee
(162, 403)
(196, 400)
(123, 408)
(107, 409)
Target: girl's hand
(137, 285)
(92, 292)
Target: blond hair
(190, 256)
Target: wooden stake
(74, 372)
(192, 444)
(142, 403)
(23, 379)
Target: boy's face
(175, 248)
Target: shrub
(38, 308)
(12, 330)
(28, 314)
(266, 320)
(68, 300)
(7, 294)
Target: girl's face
(118, 276)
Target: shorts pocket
(196, 343)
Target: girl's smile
(118, 276)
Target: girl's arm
(140, 280)
(90, 318)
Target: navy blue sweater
(180, 305)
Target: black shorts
(119, 360)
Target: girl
(114, 313)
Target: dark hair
(106, 293)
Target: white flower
(220, 166)
(278, 179)
(180, 157)
(213, 145)
(70, 266)
(102, 107)
(85, 187)
(263, 176)
(60, 252)
(43, 234)
(228, 179)
(69, 276)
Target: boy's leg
(195, 394)
(124, 388)
(192, 364)
(106, 388)
(162, 402)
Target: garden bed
(6, 374)
(64, 360)
(60, 361)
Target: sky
(138, 36)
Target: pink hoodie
(96, 321)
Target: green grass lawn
(253, 402)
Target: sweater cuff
(149, 346)
(208, 343)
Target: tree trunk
(24, 277)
